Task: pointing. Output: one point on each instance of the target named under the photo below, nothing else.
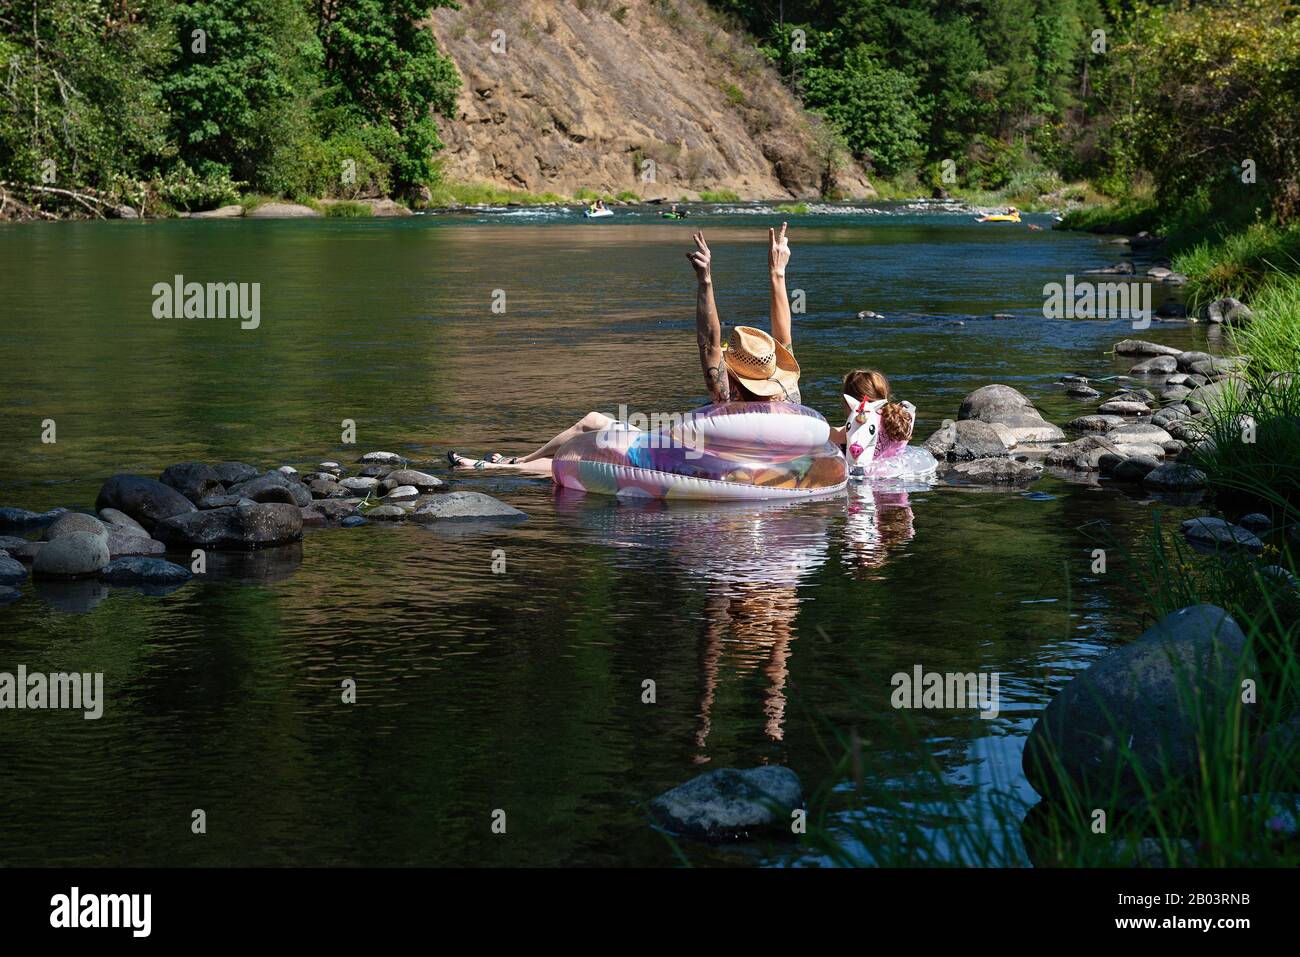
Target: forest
(188, 105)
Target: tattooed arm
(708, 329)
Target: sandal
(455, 458)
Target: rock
(1174, 477)
(287, 470)
(728, 804)
(221, 212)
(273, 487)
(127, 541)
(403, 491)
(965, 441)
(352, 521)
(1134, 395)
(1216, 395)
(1173, 447)
(1095, 423)
(1140, 347)
(232, 473)
(1171, 310)
(241, 528)
(112, 516)
(1169, 414)
(1227, 310)
(144, 571)
(1187, 429)
(1138, 433)
(1175, 393)
(1137, 708)
(8, 542)
(421, 480)
(1119, 269)
(281, 211)
(330, 467)
(21, 518)
(1214, 533)
(144, 499)
(1003, 405)
(1082, 391)
(74, 555)
(1082, 455)
(1156, 365)
(8, 594)
(1256, 523)
(359, 485)
(27, 551)
(387, 513)
(334, 509)
(12, 571)
(1135, 468)
(1123, 407)
(195, 480)
(1002, 471)
(1218, 366)
(221, 501)
(382, 458)
(74, 522)
(1185, 360)
(467, 505)
(312, 517)
(324, 489)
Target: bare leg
(539, 461)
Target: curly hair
(872, 385)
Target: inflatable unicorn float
(739, 451)
(871, 454)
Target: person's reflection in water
(746, 622)
(879, 519)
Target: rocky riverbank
(193, 508)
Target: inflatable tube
(730, 451)
(597, 213)
(998, 218)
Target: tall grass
(453, 194)
(1240, 264)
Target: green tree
(874, 108)
(382, 69)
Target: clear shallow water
(522, 691)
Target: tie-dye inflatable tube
(729, 451)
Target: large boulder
(144, 499)
(74, 555)
(1081, 455)
(113, 518)
(1138, 712)
(232, 473)
(966, 441)
(1096, 423)
(1005, 406)
(274, 486)
(128, 541)
(240, 527)
(728, 804)
(195, 480)
(74, 522)
(1227, 310)
(466, 506)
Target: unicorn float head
(872, 454)
(862, 432)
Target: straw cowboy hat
(760, 363)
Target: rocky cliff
(561, 95)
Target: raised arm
(708, 329)
(778, 254)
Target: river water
(763, 629)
